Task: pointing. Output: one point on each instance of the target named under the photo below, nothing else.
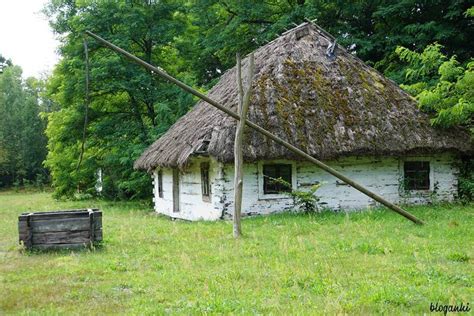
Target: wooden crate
(60, 229)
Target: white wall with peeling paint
(381, 175)
(192, 205)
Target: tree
(442, 85)
(4, 63)
(129, 108)
(22, 139)
(372, 29)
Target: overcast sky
(25, 36)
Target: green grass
(362, 263)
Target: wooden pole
(238, 157)
(261, 130)
(243, 106)
(86, 105)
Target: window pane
(269, 171)
(417, 175)
(270, 175)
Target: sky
(26, 38)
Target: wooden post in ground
(242, 109)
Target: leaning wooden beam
(243, 106)
(278, 140)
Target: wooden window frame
(205, 182)
(416, 175)
(277, 174)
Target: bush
(305, 201)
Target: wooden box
(60, 229)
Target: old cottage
(312, 93)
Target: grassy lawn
(372, 262)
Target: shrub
(305, 201)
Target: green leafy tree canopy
(442, 85)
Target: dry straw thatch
(328, 106)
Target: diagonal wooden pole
(261, 130)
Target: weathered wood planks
(60, 229)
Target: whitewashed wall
(192, 205)
(382, 175)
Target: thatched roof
(329, 106)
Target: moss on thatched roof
(328, 106)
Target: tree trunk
(243, 105)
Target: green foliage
(442, 85)
(466, 179)
(304, 201)
(356, 263)
(458, 256)
(470, 12)
(4, 63)
(129, 107)
(444, 88)
(22, 139)
(370, 29)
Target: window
(274, 172)
(205, 185)
(160, 184)
(417, 175)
